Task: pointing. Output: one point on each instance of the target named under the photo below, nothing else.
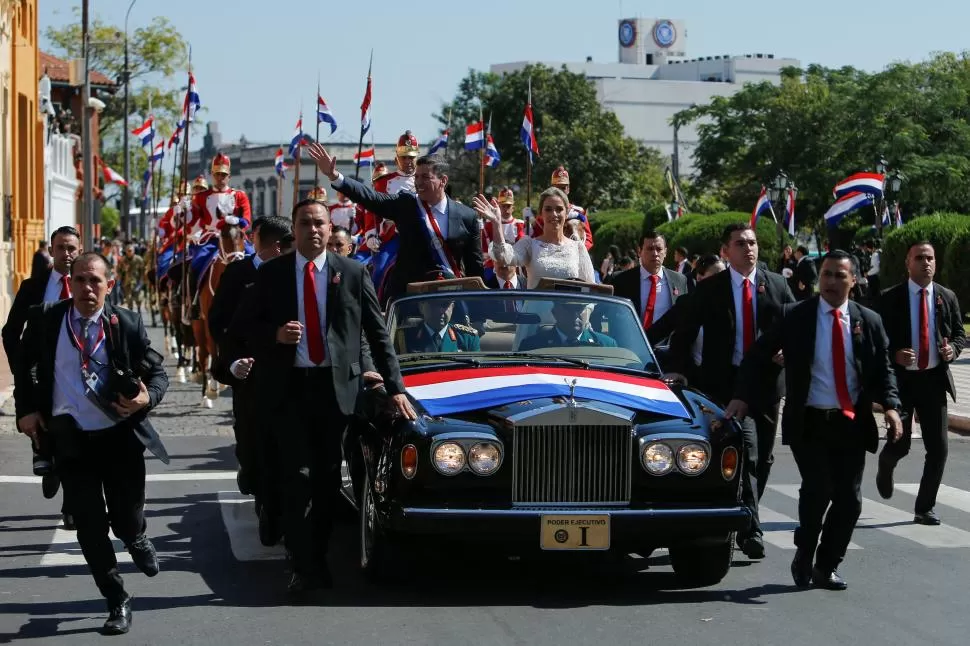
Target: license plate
(575, 532)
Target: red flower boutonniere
(336, 279)
(676, 292)
(939, 301)
(761, 289)
(857, 330)
(114, 319)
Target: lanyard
(82, 347)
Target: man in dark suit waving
(925, 328)
(310, 310)
(734, 307)
(437, 233)
(836, 366)
(87, 377)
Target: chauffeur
(438, 333)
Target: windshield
(516, 325)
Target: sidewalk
(960, 411)
(6, 379)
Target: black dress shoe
(828, 580)
(119, 618)
(884, 480)
(68, 521)
(243, 483)
(801, 569)
(43, 465)
(754, 547)
(143, 555)
(927, 518)
(50, 484)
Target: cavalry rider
(170, 226)
(512, 227)
(560, 179)
(344, 213)
(317, 193)
(212, 210)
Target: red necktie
(747, 311)
(314, 335)
(838, 366)
(65, 287)
(924, 332)
(508, 284)
(651, 302)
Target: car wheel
(374, 545)
(702, 565)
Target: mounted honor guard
(560, 179)
(317, 193)
(344, 213)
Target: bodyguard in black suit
(836, 358)
(805, 276)
(925, 328)
(421, 251)
(78, 361)
(311, 309)
(734, 307)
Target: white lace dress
(546, 259)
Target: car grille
(561, 464)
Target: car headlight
(658, 459)
(449, 458)
(692, 459)
(484, 458)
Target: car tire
(375, 546)
(702, 565)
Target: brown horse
(231, 248)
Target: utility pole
(87, 213)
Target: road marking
(64, 550)
(174, 476)
(899, 523)
(779, 529)
(239, 517)
(949, 496)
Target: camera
(125, 383)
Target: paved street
(218, 585)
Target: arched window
(260, 205)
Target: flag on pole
(846, 205)
(366, 157)
(158, 154)
(297, 140)
(899, 216)
(475, 136)
(763, 204)
(528, 129)
(174, 139)
(440, 143)
(790, 212)
(146, 181)
(145, 132)
(192, 103)
(885, 216)
(111, 176)
(870, 183)
(324, 115)
(365, 108)
(279, 163)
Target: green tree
(607, 169)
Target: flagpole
(296, 165)
(528, 163)
(360, 143)
(183, 293)
(481, 153)
(316, 171)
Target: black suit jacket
(415, 259)
(31, 293)
(127, 344)
(894, 308)
(805, 273)
(352, 311)
(237, 276)
(794, 335)
(711, 306)
(627, 284)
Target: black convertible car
(544, 424)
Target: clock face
(628, 33)
(664, 33)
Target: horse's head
(232, 243)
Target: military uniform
(131, 274)
(454, 338)
(554, 338)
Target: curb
(959, 424)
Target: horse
(232, 247)
(174, 309)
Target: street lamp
(125, 200)
(892, 182)
(778, 189)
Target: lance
(481, 153)
(364, 112)
(185, 216)
(296, 164)
(316, 137)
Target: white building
(60, 183)
(653, 80)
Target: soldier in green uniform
(438, 333)
(571, 330)
(131, 275)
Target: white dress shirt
(821, 390)
(934, 358)
(257, 261)
(69, 396)
(664, 300)
(737, 290)
(514, 279)
(873, 264)
(320, 282)
(52, 293)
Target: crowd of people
(298, 318)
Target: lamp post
(892, 182)
(125, 198)
(778, 189)
(87, 200)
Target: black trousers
(103, 475)
(245, 428)
(831, 457)
(925, 393)
(308, 429)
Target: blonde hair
(553, 191)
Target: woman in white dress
(551, 255)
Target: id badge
(92, 381)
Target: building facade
(8, 9)
(653, 79)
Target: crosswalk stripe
(779, 529)
(175, 476)
(899, 523)
(949, 496)
(239, 517)
(65, 550)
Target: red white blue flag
(790, 213)
(297, 140)
(279, 163)
(475, 136)
(324, 115)
(845, 205)
(527, 132)
(192, 103)
(365, 109)
(763, 204)
(111, 176)
(145, 132)
(871, 183)
(492, 157)
(365, 158)
(440, 143)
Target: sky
(257, 63)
